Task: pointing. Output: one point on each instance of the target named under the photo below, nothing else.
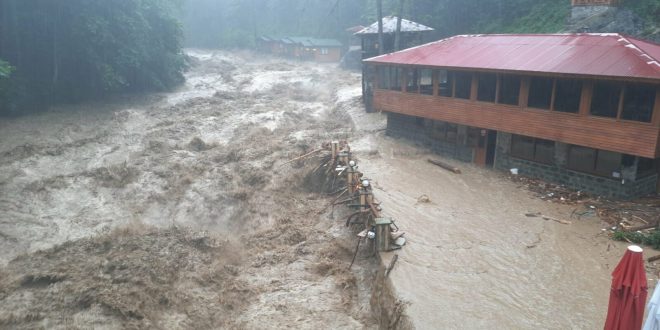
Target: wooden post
(363, 200)
(335, 149)
(523, 97)
(383, 233)
(474, 87)
(350, 178)
(343, 158)
(585, 99)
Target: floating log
(445, 166)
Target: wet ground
(174, 211)
(474, 258)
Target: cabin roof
(389, 26)
(597, 54)
(311, 42)
(326, 43)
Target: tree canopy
(74, 50)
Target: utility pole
(379, 5)
(397, 35)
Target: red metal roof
(608, 54)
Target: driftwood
(563, 222)
(654, 258)
(392, 262)
(357, 247)
(302, 157)
(642, 227)
(445, 166)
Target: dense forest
(68, 51)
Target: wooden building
(302, 48)
(577, 109)
(412, 34)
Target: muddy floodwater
(177, 210)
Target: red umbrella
(628, 295)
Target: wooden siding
(627, 137)
(333, 55)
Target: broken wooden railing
(338, 168)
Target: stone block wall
(624, 188)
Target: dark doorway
(491, 145)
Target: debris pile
(629, 215)
(338, 174)
(550, 191)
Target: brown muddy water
(173, 211)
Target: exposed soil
(173, 210)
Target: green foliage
(5, 72)
(73, 50)
(651, 239)
(5, 69)
(649, 11)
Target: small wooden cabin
(412, 34)
(326, 50)
(578, 109)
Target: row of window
(609, 99)
(582, 159)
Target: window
(538, 150)
(463, 85)
(426, 81)
(439, 131)
(581, 158)
(638, 102)
(599, 162)
(544, 151)
(522, 146)
(645, 167)
(324, 51)
(384, 77)
(540, 93)
(412, 81)
(445, 83)
(605, 99)
(395, 78)
(567, 95)
(473, 135)
(607, 162)
(509, 89)
(487, 86)
(452, 133)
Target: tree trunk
(397, 35)
(379, 5)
